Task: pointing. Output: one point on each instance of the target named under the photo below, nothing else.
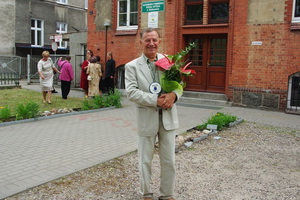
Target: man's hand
(166, 101)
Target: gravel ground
(250, 161)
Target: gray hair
(148, 30)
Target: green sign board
(153, 6)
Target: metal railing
(9, 78)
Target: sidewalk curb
(54, 116)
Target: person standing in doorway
(66, 76)
(110, 72)
(156, 116)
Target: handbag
(89, 78)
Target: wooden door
(209, 61)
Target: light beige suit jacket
(137, 81)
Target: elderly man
(156, 115)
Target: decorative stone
(60, 111)
(188, 144)
(202, 137)
(214, 132)
(206, 131)
(65, 110)
(47, 112)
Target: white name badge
(155, 88)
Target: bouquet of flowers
(174, 69)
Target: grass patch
(14, 97)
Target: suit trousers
(65, 88)
(146, 147)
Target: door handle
(207, 64)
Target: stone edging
(54, 116)
(214, 132)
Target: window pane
(32, 37)
(122, 19)
(39, 24)
(219, 11)
(196, 54)
(133, 19)
(39, 38)
(32, 23)
(297, 8)
(194, 12)
(57, 26)
(133, 5)
(63, 27)
(122, 7)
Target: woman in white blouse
(45, 69)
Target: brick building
(245, 49)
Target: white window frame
(60, 44)
(36, 29)
(290, 93)
(295, 19)
(62, 1)
(127, 27)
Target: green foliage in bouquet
(174, 69)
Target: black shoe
(54, 91)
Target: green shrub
(112, 99)
(5, 113)
(86, 105)
(115, 99)
(98, 102)
(30, 110)
(220, 119)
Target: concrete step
(204, 99)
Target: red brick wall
(265, 67)
(127, 47)
(254, 68)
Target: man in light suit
(156, 116)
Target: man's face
(150, 43)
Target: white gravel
(250, 161)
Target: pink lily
(164, 63)
(187, 71)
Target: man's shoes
(146, 198)
(54, 91)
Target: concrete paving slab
(48, 149)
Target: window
(218, 11)
(127, 14)
(62, 1)
(194, 12)
(293, 101)
(37, 32)
(60, 29)
(296, 11)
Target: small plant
(98, 102)
(220, 119)
(5, 113)
(33, 109)
(115, 98)
(30, 110)
(86, 105)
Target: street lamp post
(106, 24)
